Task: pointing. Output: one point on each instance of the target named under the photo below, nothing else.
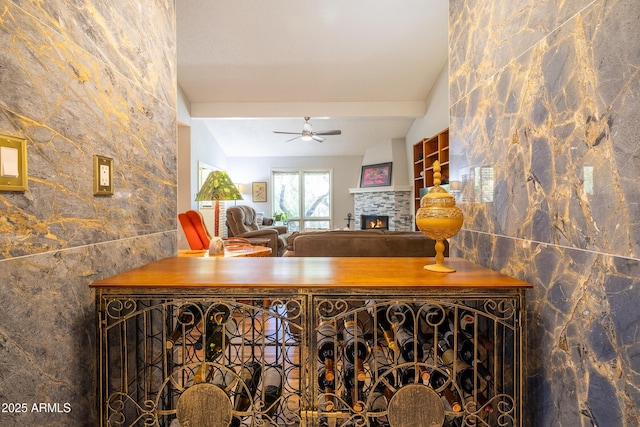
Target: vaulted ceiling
(365, 67)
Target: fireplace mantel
(395, 188)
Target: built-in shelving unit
(425, 153)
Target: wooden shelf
(426, 152)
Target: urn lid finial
(437, 195)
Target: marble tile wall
(545, 137)
(78, 79)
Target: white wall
(390, 151)
(435, 120)
(346, 170)
(195, 144)
(183, 108)
(184, 169)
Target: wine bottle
(380, 365)
(218, 338)
(408, 375)
(188, 318)
(412, 373)
(379, 404)
(439, 382)
(222, 378)
(326, 348)
(466, 380)
(355, 347)
(411, 350)
(466, 354)
(471, 405)
(218, 314)
(451, 338)
(405, 317)
(327, 387)
(466, 323)
(462, 371)
(446, 353)
(246, 390)
(353, 388)
(424, 320)
(272, 389)
(385, 326)
(433, 315)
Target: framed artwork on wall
(378, 175)
(259, 191)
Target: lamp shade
(218, 186)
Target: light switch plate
(102, 176)
(13, 164)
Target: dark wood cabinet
(202, 338)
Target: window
(203, 172)
(304, 196)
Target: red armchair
(199, 238)
(195, 230)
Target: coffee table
(259, 241)
(233, 251)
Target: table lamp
(218, 186)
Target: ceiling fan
(308, 134)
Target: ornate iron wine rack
(265, 357)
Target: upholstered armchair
(195, 229)
(241, 222)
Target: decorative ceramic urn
(438, 218)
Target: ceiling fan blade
(329, 132)
(308, 133)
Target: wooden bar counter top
(300, 272)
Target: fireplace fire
(378, 222)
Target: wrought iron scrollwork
(465, 351)
(424, 346)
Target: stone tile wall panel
(555, 120)
(70, 106)
(78, 79)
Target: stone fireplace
(377, 222)
(393, 202)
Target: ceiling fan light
(306, 137)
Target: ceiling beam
(313, 109)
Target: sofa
(361, 243)
(357, 243)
